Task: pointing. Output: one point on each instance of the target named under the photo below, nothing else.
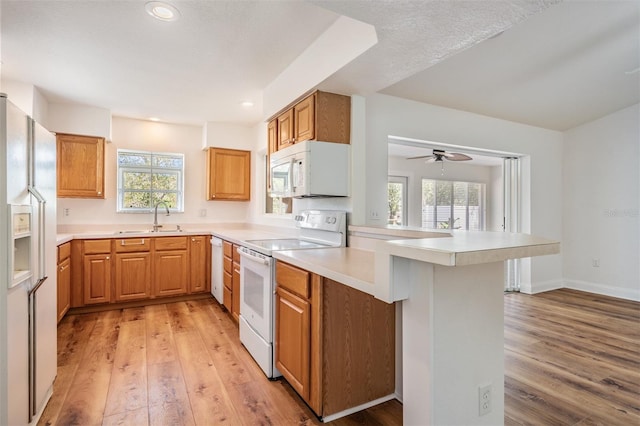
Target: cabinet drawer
(127, 245)
(171, 243)
(293, 279)
(97, 246)
(228, 265)
(227, 280)
(236, 255)
(227, 248)
(64, 251)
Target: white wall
(542, 165)
(416, 170)
(150, 136)
(79, 120)
(601, 219)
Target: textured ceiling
(565, 66)
(111, 54)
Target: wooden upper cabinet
(320, 116)
(80, 166)
(228, 174)
(285, 129)
(304, 119)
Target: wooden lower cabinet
(293, 340)
(231, 278)
(330, 338)
(235, 291)
(199, 264)
(133, 276)
(64, 287)
(142, 268)
(96, 278)
(171, 273)
(227, 276)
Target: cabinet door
(228, 174)
(198, 261)
(304, 119)
(285, 129)
(235, 292)
(170, 273)
(293, 339)
(80, 166)
(97, 278)
(64, 287)
(133, 276)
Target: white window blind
(453, 205)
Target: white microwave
(311, 169)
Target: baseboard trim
(332, 417)
(603, 289)
(540, 287)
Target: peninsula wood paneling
(363, 328)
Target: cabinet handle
(62, 268)
(122, 243)
(195, 241)
(107, 258)
(99, 192)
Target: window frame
(151, 169)
(404, 181)
(435, 223)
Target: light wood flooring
(571, 358)
(173, 364)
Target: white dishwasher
(217, 269)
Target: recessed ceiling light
(162, 11)
(246, 104)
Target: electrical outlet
(373, 214)
(484, 400)
(595, 263)
(66, 211)
(203, 212)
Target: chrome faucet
(155, 215)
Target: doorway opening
(493, 195)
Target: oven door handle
(253, 258)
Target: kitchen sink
(150, 231)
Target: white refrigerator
(28, 288)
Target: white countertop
(469, 248)
(349, 266)
(362, 269)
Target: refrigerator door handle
(41, 231)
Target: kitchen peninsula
(451, 290)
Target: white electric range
(318, 229)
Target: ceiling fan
(440, 155)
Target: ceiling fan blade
(422, 156)
(456, 156)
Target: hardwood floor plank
(168, 398)
(137, 417)
(209, 399)
(73, 335)
(161, 347)
(128, 385)
(179, 317)
(87, 396)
